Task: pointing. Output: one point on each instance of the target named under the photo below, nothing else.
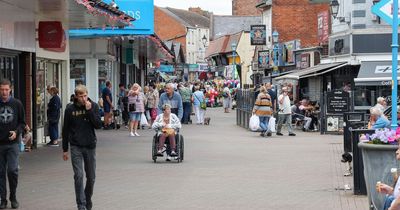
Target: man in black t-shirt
(272, 93)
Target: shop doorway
(47, 75)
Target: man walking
(80, 121)
(186, 95)
(107, 104)
(285, 113)
(172, 98)
(12, 124)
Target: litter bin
(358, 166)
(351, 120)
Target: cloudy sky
(218, 7)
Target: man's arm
(21, 119)
(66, 130)
(180, 107)
(94, 116)
(109, 101)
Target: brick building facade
(245, 8)
(293, 19)
(297, 19)
(175, 30)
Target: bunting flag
(112, 19)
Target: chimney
(197, 10)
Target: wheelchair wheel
(154, 149)
(181, 148)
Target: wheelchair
(167, 149)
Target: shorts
(107, 108)
(135, 116)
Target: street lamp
(233, 46)
(275, 40)
(334, 6)
(204, 41)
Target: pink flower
(391, 139)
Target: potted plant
(378, 153)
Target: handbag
(168, 131)
(132, 107)
(203, 104)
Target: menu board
(338, 101)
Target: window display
(78, 72)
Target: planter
(377, 161)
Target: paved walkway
(225, 167)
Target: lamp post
(233, 46)
(334, 6)
(275, 40)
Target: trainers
(159, 153)
(136, 134)
(3, 204)
(269, 134)
(52, 144)
(262, 134)
(14, 204)
(173, 153)
(168, 158)
(132, 134)
(279, 134)
(292, 134)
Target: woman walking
(152, 103)
(262, 108)
(136, 102)
(198, 98)
(227, 103)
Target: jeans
(264, 123)
(9, 155)
(388, 202)
(285, 118)
(187, 109)
(83, 156)
(308, 122)
(53, 131)
(199, 114)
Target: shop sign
(384, 69)
(338, 101)
(263, 59)
(305, 61)
(339, 45)
(258, 35)
(323, 27)
(203, 67)
(166, 68)
(51, 35)
(141, 10)
(193, 67)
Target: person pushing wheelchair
(167, 123)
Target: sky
(218, 7)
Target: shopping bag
(143, 120)
(254, 123)
(271, 124)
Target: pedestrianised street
(225, 167)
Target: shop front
(373, 80)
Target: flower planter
(377, 161)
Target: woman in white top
(167, 123)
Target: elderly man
(381, 104)
(172, 98)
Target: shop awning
(375, 73)
(312, 71)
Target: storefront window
(40, 93)
(7, 68)
(367, 95)
(105, 73)
(78, 72)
